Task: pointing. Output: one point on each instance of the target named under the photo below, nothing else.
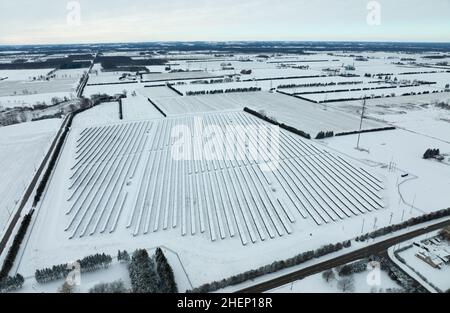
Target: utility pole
(412, 205)
(362, 228)
(361, 123)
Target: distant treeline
(117, 62)
(220, 91)
(71, 62)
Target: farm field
(138, 108)
(176, 76)
(23, 75)
(424, 187)
(394, 92)
(309, 117)
(22, 147)
(20, 90)
(216, 186)
(197, 104)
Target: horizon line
(224, 41)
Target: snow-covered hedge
(271, 268)
(411, 222)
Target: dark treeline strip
(170, 86)
(283, 78)
(57, 150)
(60, 63)
(411, 222)
(157, 107)
(221, 91)
(281, 125)
(115, 62)
(120, 110)
(365, 131)
(14, 249)
(114, 83)
(52, 162)
(153, 86)
(296, 96)
(325, 134)
(90, 263)
(177, 79)
(310, 85)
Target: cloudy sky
(56, 21)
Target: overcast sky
(45, 21)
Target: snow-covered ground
(117, 186)
(428, 180)
(22, 147)
(360, 283)
(22, 91)
(23, 75)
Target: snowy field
(425, 187)
(139, 108)
(309, 117)
(23, 75)
(361, 94)
(417, 114)
(117, 184)
(177, 76)
(197, 104)
(21, 90)
(22, 147)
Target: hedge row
(120, 109)
(281, 125)
(157, 107)
(411, 222)
(14, 249)
(52, 162)
(98, 100)
(90, 263)
(170, 86)
(364, 131)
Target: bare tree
(328, 275)
(346, 284)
